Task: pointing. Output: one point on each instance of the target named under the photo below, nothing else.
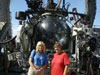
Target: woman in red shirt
(59, 61)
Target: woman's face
(40, 47)
(58, 50)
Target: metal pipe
(58, 3)
(63, 4)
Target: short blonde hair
(37, 46)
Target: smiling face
(40, 47)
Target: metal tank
(53, 29)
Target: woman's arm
(31, 64)
(45, 63)
(66, 70)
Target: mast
(90, 10)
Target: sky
(20, 5)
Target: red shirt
(58, 63)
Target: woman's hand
(36, 71)
(41, 69)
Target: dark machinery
(49, 23)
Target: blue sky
(20, 5)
